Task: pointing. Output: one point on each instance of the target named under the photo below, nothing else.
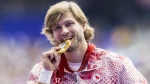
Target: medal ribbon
(64, 65)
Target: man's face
(68, 27)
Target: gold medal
(64, 46)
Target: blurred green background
(121, 26)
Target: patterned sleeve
(129, 74)
(34, 74)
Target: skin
(67, 27)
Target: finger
(55, 48)
(56, 56)
(47, 55)
(52, 54)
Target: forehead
(68, 16)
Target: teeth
(67, 38)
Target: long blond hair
(54, 13)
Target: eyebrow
(64, 22)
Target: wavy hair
(54, 13)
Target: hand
(51, 59)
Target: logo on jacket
(57, 80)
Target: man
(82, 63)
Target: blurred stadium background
(121, 26)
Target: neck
(77, 55)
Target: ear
(84, 27)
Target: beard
(77, 42)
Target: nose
(65, 31)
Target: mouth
(68, 38)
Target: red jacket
(103, 67)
